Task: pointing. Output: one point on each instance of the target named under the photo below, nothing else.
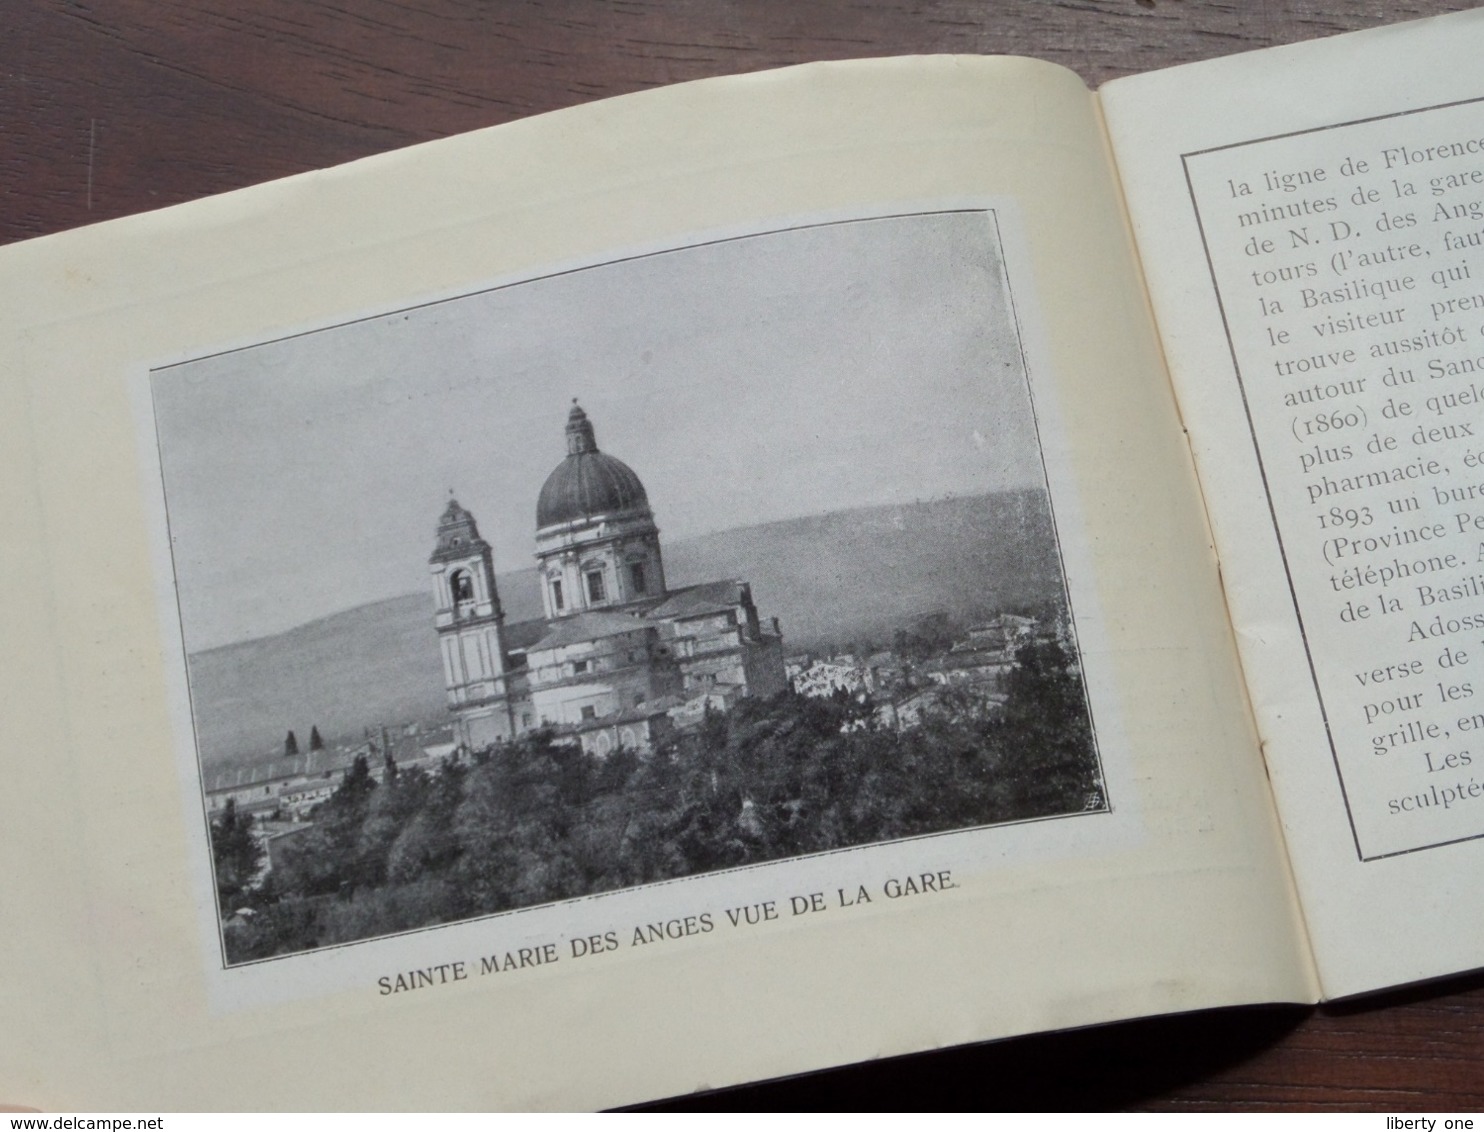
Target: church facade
(619, 659)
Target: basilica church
(620, 659)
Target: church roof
(645, 711)
(521, 635)
(593, 625)
(693, 601)
(587, 483)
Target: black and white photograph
(682, 562)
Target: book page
(1309, 219)
(773, 485)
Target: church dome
(587, 483)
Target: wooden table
(109, 107)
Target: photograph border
(1101, 708)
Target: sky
(760, 378)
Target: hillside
(831, 580)
(855, 576)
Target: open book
(753, 576)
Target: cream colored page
(1309, 220)
(1177, 899)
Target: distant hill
(850, 577)
(855, 576)
(377, 663)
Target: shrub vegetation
(539, 820)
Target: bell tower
(470, 626)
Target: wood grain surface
(110, 107)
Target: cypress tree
(236, 854)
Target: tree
(927, 637)
(393, 807)
(324, 859)
(354, 789)
(315, 742)
(515, 822)
(1045, 730)
(235, 853)
(290, 745)
(426, 845)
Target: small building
(259, 788)
(294, 786)
(637, 730)
(986, 668)
(716, 698)
(1003, 632)
(824, 678)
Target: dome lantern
(580, 437)
(588, 483)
